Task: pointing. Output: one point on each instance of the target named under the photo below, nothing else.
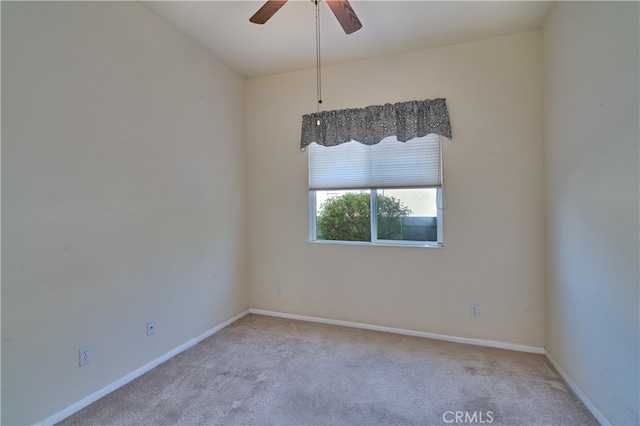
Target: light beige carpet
(270, 371)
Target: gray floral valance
(405, 120)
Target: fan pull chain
(318, 59)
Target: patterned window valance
(405, 120)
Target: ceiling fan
(341, 8)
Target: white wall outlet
(151, 328)
(475, 310)
(279, 291)
(85, 355)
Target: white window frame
(313, 225)
(374, 217)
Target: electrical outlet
(475, 310)
(279, 291)
(85, 355)
(151, 328)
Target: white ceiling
(287, 41)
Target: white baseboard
(72, 409)
(579, 393)
(467, 340)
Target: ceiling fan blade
(267, 11)
(345, 14)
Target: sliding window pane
(343, 215)
(407, 214)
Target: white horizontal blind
(388, 164)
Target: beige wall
(591, 97)
(493, 226)
(123, 197)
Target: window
(400, 182)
